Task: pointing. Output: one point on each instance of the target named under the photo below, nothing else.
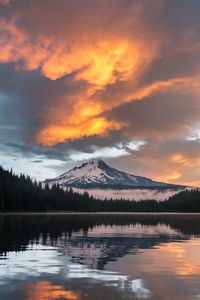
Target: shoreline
(99, 213)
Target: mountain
(97, 174)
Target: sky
(116, 80)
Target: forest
(21, 194)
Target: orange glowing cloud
(173, 175)
(55, 134)
(171, 167)
(99, 62)
(179, 162)
(89, 105)
(45, 290)
(174, 168)
(180, 159)
(90, 52)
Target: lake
(100, 257)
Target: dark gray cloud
(160, 116)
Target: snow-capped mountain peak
(96, 173)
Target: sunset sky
(112, 79)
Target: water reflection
(102, 245)
(17, 231)
(47, 291)
(87, 257)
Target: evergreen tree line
(20, 193)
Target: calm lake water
(100, 257)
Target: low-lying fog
(139, 194)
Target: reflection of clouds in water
(136, 194)
(139, 290)
(110, 279)
(45, 290)
(39, 259)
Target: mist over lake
(135, 194)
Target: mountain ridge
(97, 174)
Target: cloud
(121, 149)
(56, 134)
(5, 2)
(171, 160)
(88, 76)
(91, 53)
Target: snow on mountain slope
(96, 173)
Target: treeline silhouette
(20, 193)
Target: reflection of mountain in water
(95, 240)
(96, 252)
